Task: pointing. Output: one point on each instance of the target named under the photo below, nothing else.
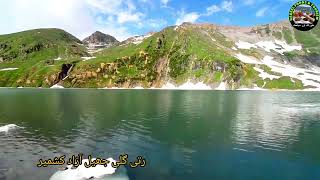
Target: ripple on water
(131, 134)
(245, 124)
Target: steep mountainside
(272, 56)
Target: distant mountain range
(200, 56)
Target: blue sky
(125, 18)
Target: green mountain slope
(205, 53)
(177, 55)
(34, 43)
(33, 53)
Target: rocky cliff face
(99, 40)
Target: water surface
(182, 134)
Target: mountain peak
(99, 33)
(100, 40)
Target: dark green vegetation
(310, 41)
(284, 83)
(287, 35)
(277, 34)
(268, 70)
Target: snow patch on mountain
(222, 86)
(309, 77)
(87, 58)
(247, 59)
(56, 86)
(255, 87)
(288, 48)
(137, 39)
(9, 69)
(268, 46)
(187, 86)
(245, 45)
(277, 46)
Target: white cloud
(124, 17)
(212, 9)
(125, 10)
(261, 12)
(79, 17)
(226, 6)
(107, 6)
(187, 17)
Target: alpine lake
(181, 134)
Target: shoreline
(170, 89)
